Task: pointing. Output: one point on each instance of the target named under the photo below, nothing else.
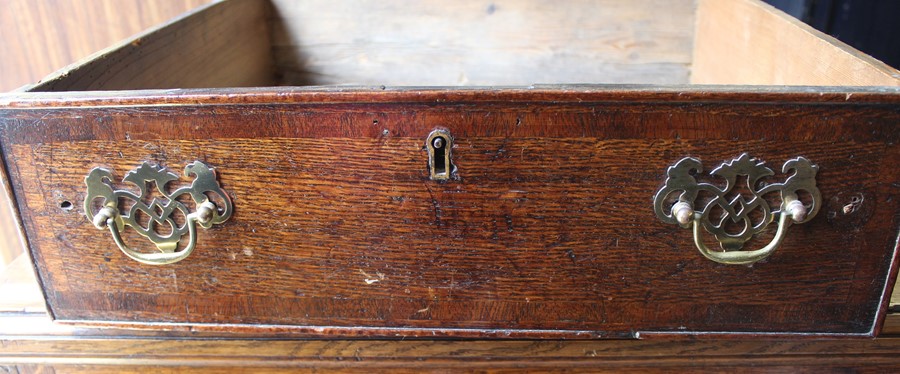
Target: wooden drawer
(545, 225)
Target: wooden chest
(426, 169)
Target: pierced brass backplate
(162, 212)
(751, 214)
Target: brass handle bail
(739, 210)
(160, 211)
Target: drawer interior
(239, 43)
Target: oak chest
(486, 169)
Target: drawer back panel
(238, 43)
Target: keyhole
(440, 153)
(440, 145)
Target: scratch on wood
(435, 204)
(175, 279)
(370, 279)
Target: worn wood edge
(437, 95)
(640, 363)
(730, 335)
(432, 366)
(15, 326)
(300, 331)
(243, 351)
(40, 324)
(891, 76)
(49, 83)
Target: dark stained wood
(548, 232)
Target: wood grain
(224, 44)
(329, 195)
(11, 246)
(360, 148)
(895, 296)
(31, 344)
(38, 37)
(20, 289)
(479, 43)
(130, 352)
(750, 42)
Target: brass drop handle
(161, 212)
(681, 181)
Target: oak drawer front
(548, 231)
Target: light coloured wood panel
(224, 44)
(10, 242)
(20, 289)
(501, 42)
(38, 37)
(749, 42)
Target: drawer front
(547, 228)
